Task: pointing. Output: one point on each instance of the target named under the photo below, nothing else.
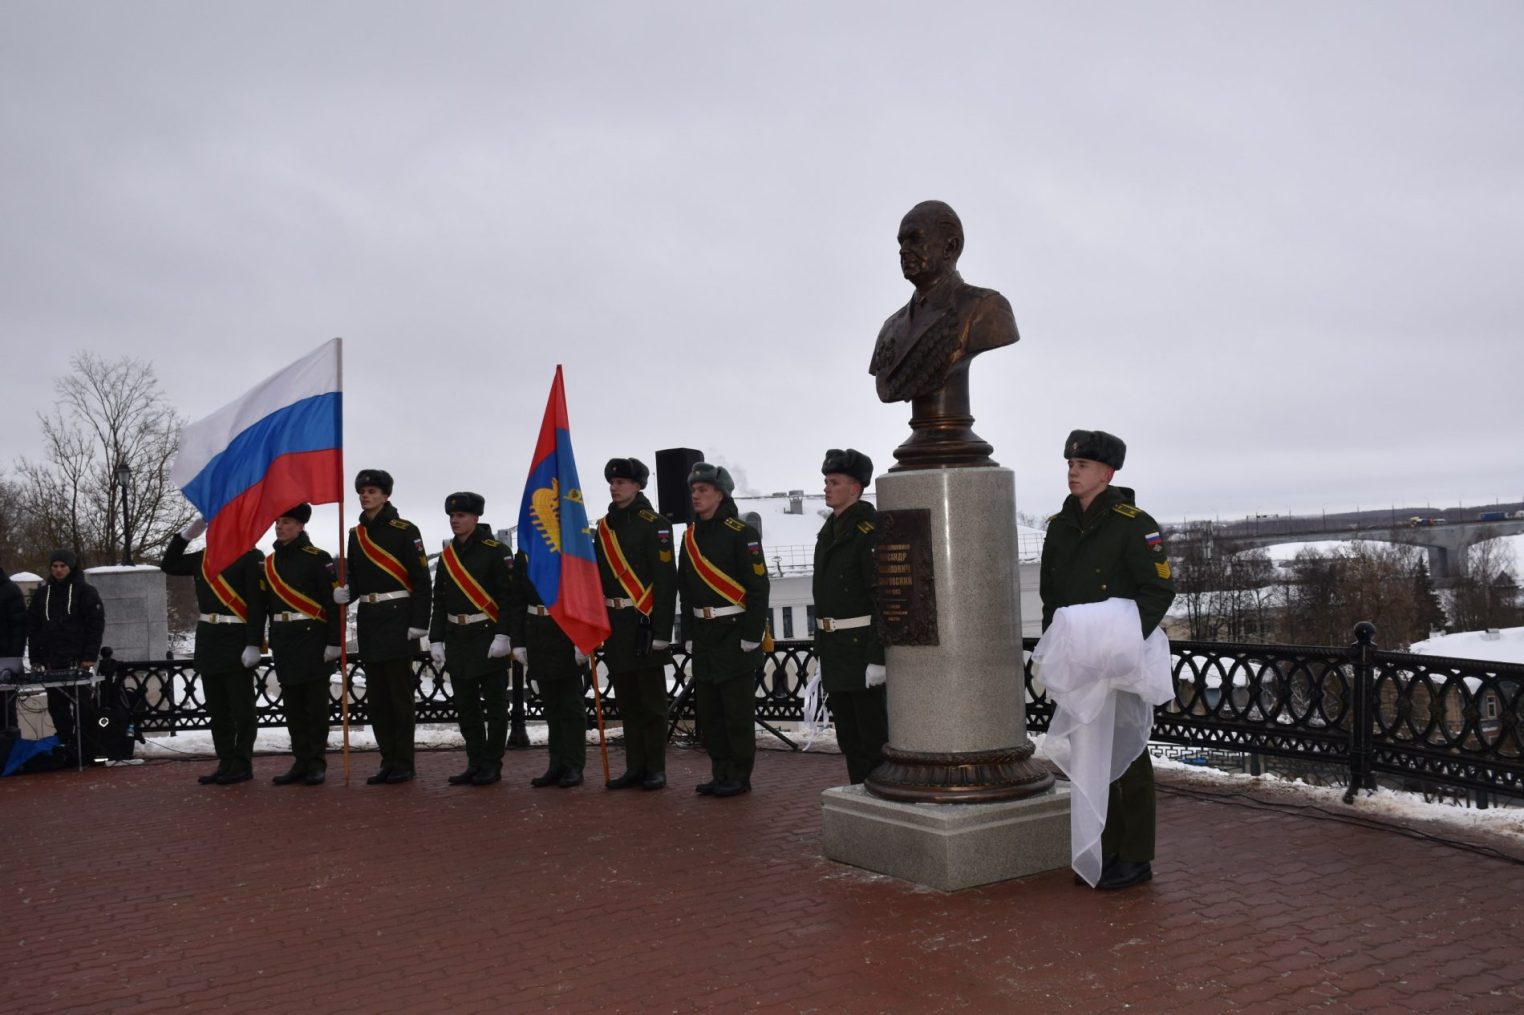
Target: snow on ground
(1404, 808)
(1506, 646)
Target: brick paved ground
(133, 889)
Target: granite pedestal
(959, 800)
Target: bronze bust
(924, 348)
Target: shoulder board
(1053, 518)
(398, 523)
(491, 542)
(312, 550)
(650, 516)
(736, 524)
(865, 527)
(1125, 510)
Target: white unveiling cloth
(1104, 679)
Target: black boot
(397, 775)
(293, 774)
(628, 780)
(705, 788)
(211, 777)
(1125, 874)
(233, 776)
(487, 775)
(654, 780)
(315, 776)
(571, 777)
(464, 777)
(551, 777)
(382, 774)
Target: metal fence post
(1360, 711)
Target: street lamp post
(123, 475)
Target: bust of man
(924, 348)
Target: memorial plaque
(907, 596)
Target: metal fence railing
(1420, 720)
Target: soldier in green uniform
(229, 633)
(1101, 546)
(388, 582)
(847, 646)
(637, 564)
(723, 580)
(298, 585)
(468, 636)
(555, 665)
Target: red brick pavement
(135, 890)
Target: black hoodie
(66, 619)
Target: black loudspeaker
(672, 468)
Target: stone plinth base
(946, 846)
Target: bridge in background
(1446, 535)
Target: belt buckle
(708, 612)
(826, 624)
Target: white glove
(341, 594)
(193, 530)
(521, 656)
(875, 675)
(250, 657)
(436, 652)
(747, 646)
(331, 654)
(660, 646)
(580, 656)
(414, 633)
(499, 647)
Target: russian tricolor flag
(554, 533)
(277, 446)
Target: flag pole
(343, 607)
(603, 745)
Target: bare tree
(107, 412)
(1485, 596)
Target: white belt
(382, 597)
(710, 612)
(288, 618)
(466, 618)
(221, 618)
(829, 624)
(619, 603)
(538, 611)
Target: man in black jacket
(65, 623)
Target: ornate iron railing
(1425, 721)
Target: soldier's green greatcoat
(385, 649)
(640, 681)
(227, 684)
(1113, 550)
(844, 584)
(1106, 553)
(479, 683)
(297, 646)
(554, 670)
(724, 673)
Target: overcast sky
(1278, 248)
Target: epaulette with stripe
(398, 523)
(1125, 510)
(650, 516)
(736, 523)
(312, 550)
(491, 542)
(865, 527)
